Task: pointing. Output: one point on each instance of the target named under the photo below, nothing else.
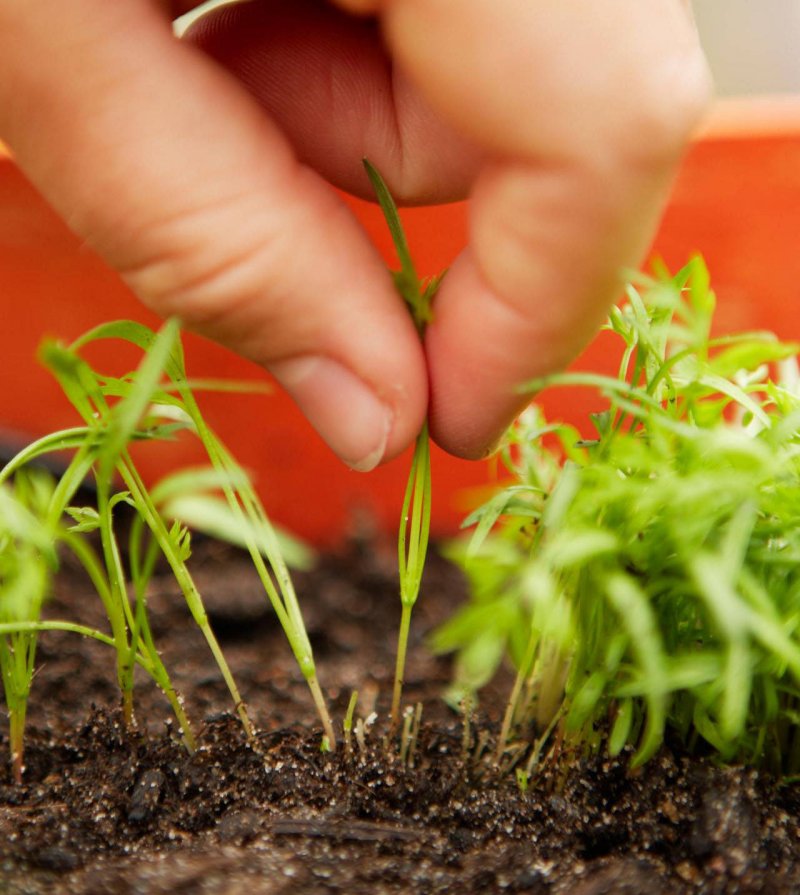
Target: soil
(103, 810)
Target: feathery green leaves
(654, 565)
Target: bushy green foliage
(648, 578)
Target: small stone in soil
(146, 796)
(239, 827)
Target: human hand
(198, 168)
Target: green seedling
(27, 561)
(130, 635)
(118, 411)
(646, 578)
(28, 556)
(112, 410)
(246, 511)
(347, 724)
(416, 513)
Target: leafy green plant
(117, 411)
(646, 579)
(415, 517)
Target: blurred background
(753, 46)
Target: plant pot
(736, 201)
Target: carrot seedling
(28, 558)
(415, 516)
(255, 529)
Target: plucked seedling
(415, 516)
(646, 579)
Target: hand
(198, 169)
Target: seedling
(27, 561)
(117, 411)
(646, 578)
(415, 516)
(347, 724)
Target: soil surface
(104, 811)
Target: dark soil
(103, 810)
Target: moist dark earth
(106, 810)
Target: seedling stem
(415, 517)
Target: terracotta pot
(737, 200)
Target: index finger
(168, 167)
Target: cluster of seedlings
(39, 518)
(645, 580)
(641, 581)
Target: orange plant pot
(736, 201)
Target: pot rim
(738, 117)
(751, 117)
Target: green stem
(16, 724)
(184, 579)
(329, 735)
(122, 621)
(400, 665)
(347, 725)
(106, 583)
(412, 548)
(246, 505)
(141, 574)
(513, 699)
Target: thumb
(583, 111)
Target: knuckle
(203, 267)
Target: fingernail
(340, 406)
